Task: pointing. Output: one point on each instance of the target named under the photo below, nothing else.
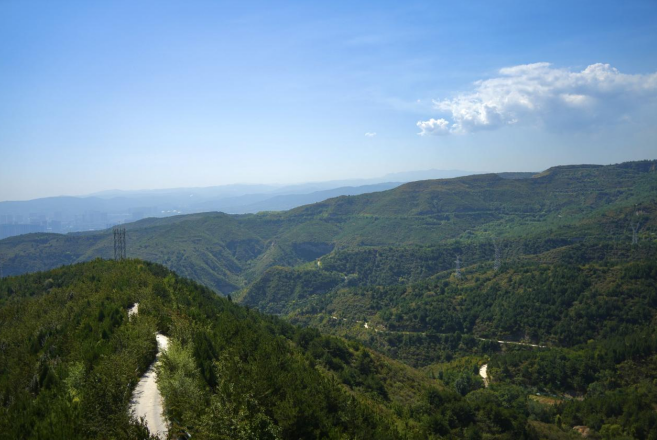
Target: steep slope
(70, 358)
(546, 304)
(570, 333)
(83, 356)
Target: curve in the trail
(146, 398)
(483, 372)
(133, 311)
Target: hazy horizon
(150, 95)
(355, 181)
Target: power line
(119, 243)
(635, 230)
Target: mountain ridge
(226, 252)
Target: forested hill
(559, 266)
(571, 333)
(71, 356)
(573, 188)
(543, 303)
(226, 252)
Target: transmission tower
(457, 273)
(498, 258)
(635, 230)
(119, 243)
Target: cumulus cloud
(370, 134)
(539, 94)
(433, 126)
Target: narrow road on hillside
(382, 329)
(146, 398)
(526, 344)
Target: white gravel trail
(483, 372)
(146, 398)
(132, 311)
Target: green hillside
(555, 297)
(227, 252)
(579, 341)
(71, 357)
(557, 303)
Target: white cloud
(434, 127)
(539, 94)
(370, 134)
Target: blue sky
(134, 95)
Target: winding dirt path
(133, 311)
(146, 398)
(483, 372)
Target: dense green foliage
(69, 357)
(616, 376)
(547, 304)
(229, 372)
(227, 252)
(593, 322)
(83, 356)
(280, 288)
(564, 325)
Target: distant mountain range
(104, 209)
(199, 194)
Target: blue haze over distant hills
(107, 208)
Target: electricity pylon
(119, 243)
